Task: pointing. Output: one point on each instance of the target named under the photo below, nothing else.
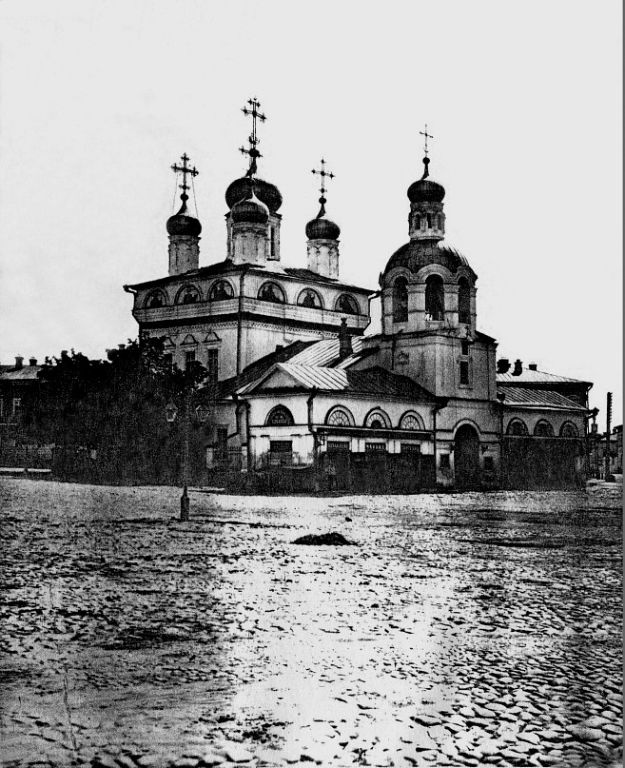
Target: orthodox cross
(323, 173)
(184, 170)
(427, 136)
(253, 137)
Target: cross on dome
(322, 189)
(253, 139)
(426, 136)
(185, 170)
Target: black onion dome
(250, 211)
(267, 193)
(322, 229)
(420, 253)
(183, 224)
(425, 190)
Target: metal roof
(527, 376)
(26, 373)
(541, 398)
(377, 382)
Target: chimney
(533, 367)
(345, 340)
(32, 361)
(503, 365)
(19, 363)
(279, 347)
(518, 368)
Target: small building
(297, 388)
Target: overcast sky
(524, 100)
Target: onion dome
(421, 253)
(183, 224)
(240, 189)
(250, 211)
(321, 228)
(425, 190)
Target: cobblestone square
(457, 630)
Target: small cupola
(183, 228)
(323, 235)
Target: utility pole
(608, 426)
(186, 428)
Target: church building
(300, 396)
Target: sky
(524, 100)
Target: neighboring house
(598, 448)
(295, 383)
(19, 386)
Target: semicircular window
(309, 298)
(569, 430)
(410, 421)
(188, 294)
(347, 303)
(155, 299)
(543, 429)
(377, 419)
(280, 416)
(271, 292)
(517, 427)
(339, 417)
(221, 291)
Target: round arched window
(434, 298)
(517, 427)
(569, 430)
(400, 300)
(543, 429)
(280, 416)
(464, 301)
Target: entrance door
(467, 457)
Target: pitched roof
(528, 376)
(377, 382)
(537, 398)
(227, 266)
(23, 374)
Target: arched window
(347, 303)
(309, 298)
(400, 300)
(220, 291)
(417, 222)
(280, 416)
(429, 220)
(568, 429)
(411, 421)
(339, 417)
(543, 429)
(434, 298)
(517, 427)
(464, 301)
(155, 299)
(188, 294)
(377, 419)
(271, 292)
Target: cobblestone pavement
(459, 630)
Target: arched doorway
(467, 457)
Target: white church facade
(301, 397)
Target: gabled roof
(537, 398)
(528, 376)
(377, 381)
